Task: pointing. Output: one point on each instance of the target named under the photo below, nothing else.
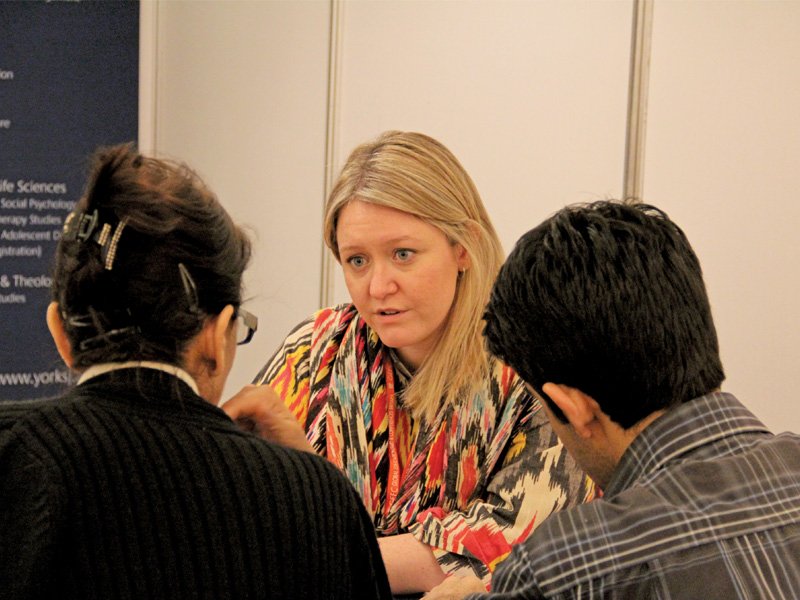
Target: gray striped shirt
(705, 503)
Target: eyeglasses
(246, 325)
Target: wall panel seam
(331, 129)
(638, 81)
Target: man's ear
(578, 408)
(56, 326)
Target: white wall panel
(722, 155)
(530, 96)
(241, 96)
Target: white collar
(101, 368)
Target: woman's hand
(455, 588)
(258, 409)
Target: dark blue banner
(69, 81)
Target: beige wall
(531, 96)
(240, 95)
(522, 92)
(723, 158)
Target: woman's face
(401, 273)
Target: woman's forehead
(362, 222)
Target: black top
(132, 486)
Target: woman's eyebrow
(395, 241)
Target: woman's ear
(578, 408)
(56, 326)
(463, 258)
(209, 355)
(463, 261)
(220, 344)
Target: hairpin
(107, 337)
(189, 288)
(92, 320)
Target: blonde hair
(416, 174)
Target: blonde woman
(452, 457)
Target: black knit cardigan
(132, 486)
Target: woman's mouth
(388, 313)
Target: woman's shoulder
(303, 343)
(42, 409)
(330, 322)
(506, 391)
(297, 466)
(500, 391)
(323, 319)
(338, 313)
(505, 381)
(43, 426)
(308, 339)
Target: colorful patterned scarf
(354, 416)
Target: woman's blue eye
(356, 261)
(404, 254)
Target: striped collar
(684, 430)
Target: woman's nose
(382, 281)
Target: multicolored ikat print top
(470, 485)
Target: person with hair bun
(452, 457)
(134, 484)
